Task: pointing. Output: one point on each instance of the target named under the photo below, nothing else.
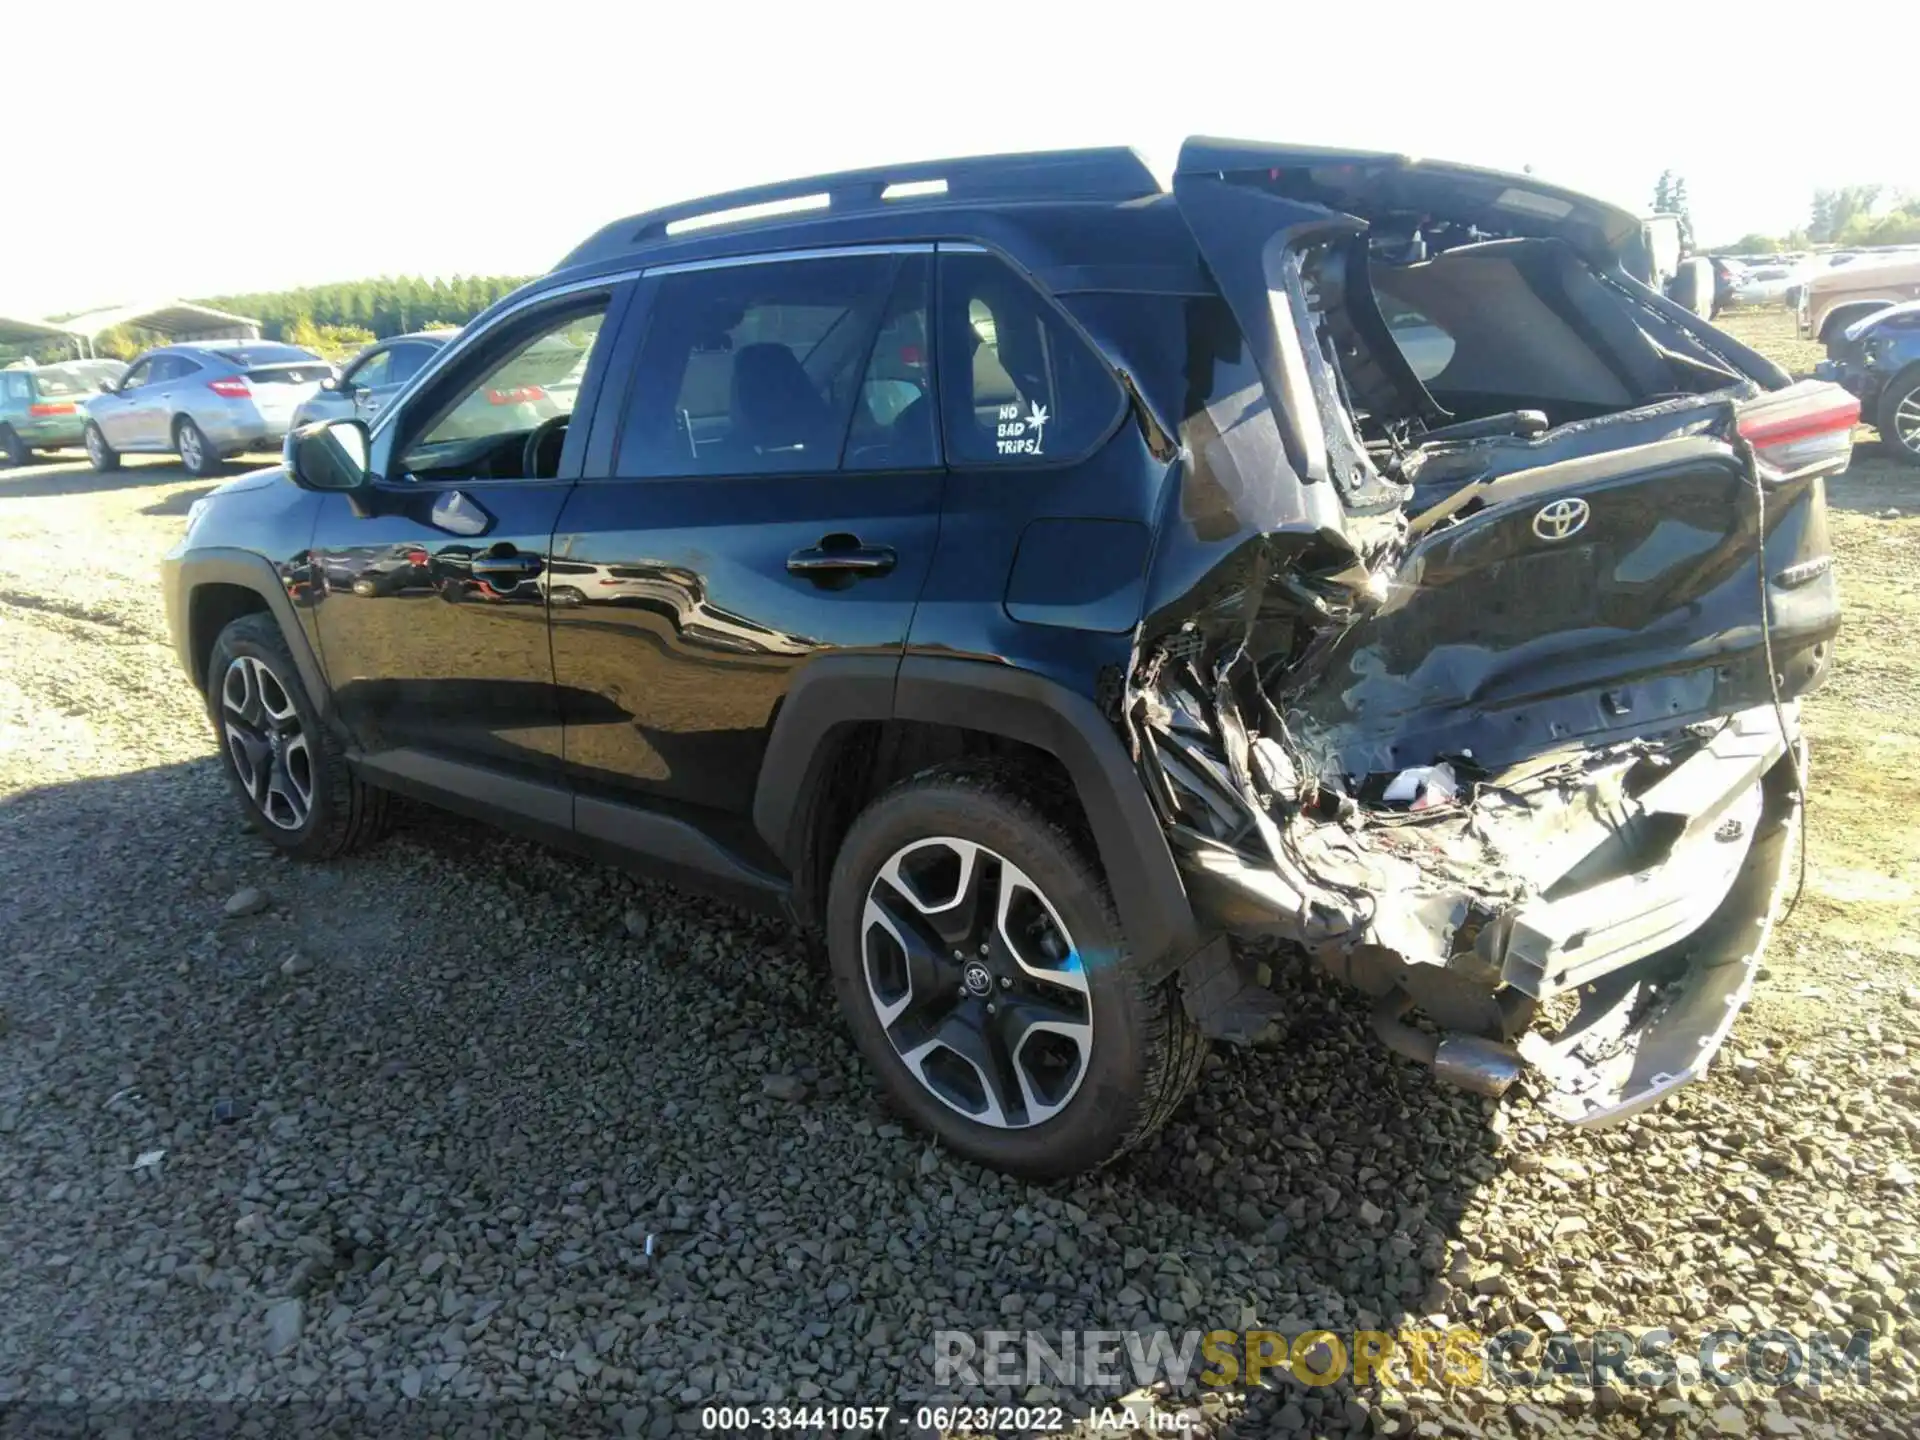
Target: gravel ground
(467, 1120)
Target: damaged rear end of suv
(1477, 622)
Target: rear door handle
(842, 555)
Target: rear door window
(1019, 385)
(758, 368)
(895, 416)
(172, 367)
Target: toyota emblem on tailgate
(1561, 519)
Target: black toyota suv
(1038, 581)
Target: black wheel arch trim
(998, 700)
(248, 571)
(829, 691)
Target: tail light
(518, 395)
(1802, 429)
(232, 387)
(44, 408)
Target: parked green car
(41, 408)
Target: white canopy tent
(18, 330)
(175, 319)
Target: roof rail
(1107, 173)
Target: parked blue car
(1878, 359)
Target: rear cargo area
(1506, 736)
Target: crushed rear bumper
(1644, 1031)
(1641, 902)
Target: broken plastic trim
(1646, 1031)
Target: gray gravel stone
(784, 1087)
(284, 1325)
(249, 901)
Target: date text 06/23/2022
(889, 1419)
(932, 1419)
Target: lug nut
(959, 955)
(983, 949)
(990, 1007)
(1006, 982)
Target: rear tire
(1056, 1056)
(1692, 286)
(286, 767)
(102, 456)
(1898, 416)
(14, 449)
(196, 452)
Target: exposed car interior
(1456, 355)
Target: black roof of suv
(1033, 578)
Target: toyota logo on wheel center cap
(1561, 519)
(978, 978)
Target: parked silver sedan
(371, 379)
(202, 402)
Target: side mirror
(106, 387)
(328, 455)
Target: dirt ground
(1859, 910)
(467, 1121)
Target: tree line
(390, 305)
(1847, 215)
(331, 320)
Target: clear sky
(194, 149)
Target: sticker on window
(1022, 434)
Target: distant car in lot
(40, 409)
(202, 402)
(371, 378)
(1878, 359)
(1764, 285)
(1727, 274)
(1832, 300)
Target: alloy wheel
(976, 982)
(190, 452)
(265, 743)
(1906, 420)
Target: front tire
(102, 456)
(1898, 416)
(286, 767)
(980, 962)
(196, 452)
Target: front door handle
(510, 568)
(842, 555)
